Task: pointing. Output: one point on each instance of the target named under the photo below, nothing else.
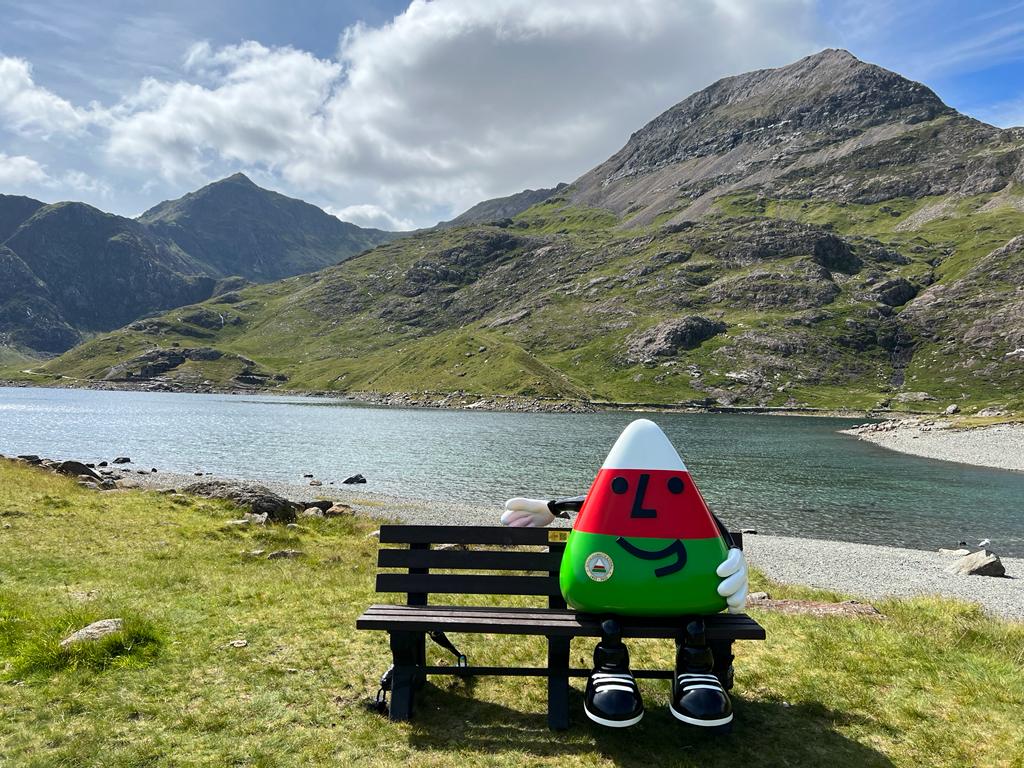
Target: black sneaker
(612, 697)
(699, 699)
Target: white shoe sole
(695, 721)
(613, 723)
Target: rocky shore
(1000, 446)
(864, 570)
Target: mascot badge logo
(644, 542)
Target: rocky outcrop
(670, 337)
(258, 499)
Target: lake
(779, 474)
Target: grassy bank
(935, 683)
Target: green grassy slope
(552, 305)
(933, 683)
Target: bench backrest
(524, 561)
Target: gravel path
(862, 570)
(1000, 446)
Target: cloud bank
(451, 102)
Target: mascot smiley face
(644, 542)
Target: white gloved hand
(526, 513)
(734, 586)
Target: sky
(399, 114)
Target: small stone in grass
(312, 512)
(285, 553)
(337, 510)
(238, 643)
(95, 631)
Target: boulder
(312, 512)
(76, 469)
(30, 458)
(122, 460)
(95, 631)
(322, 504)
(354, 480)
(337, 510)
(257, 498)
(670, 337)
(980, 563)
(316, 483)
(951, 409)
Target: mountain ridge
(77, 270)
(864, 260)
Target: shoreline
(467, 401)
(867, 571)
(998, 446)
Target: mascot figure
(645, 544)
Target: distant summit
(72, 269)
(502, 207)
(238, 228)
(802, 130)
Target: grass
(935, 683)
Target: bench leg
(558, 683)
(406, 650)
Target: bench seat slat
(553, 622)
(468, 584)
(464, 534)
(469, 560)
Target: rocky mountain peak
(832, 92)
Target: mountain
(75, 271)
(827, 234)
(236, 228)
(499, 208)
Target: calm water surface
(781, 475)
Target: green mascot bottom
(599, 575)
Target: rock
(373, 534)
(913, 397)
(749, 531)
(237, 644)
(282, 554)
(307, 477)
(322, 504)
(293, 526)
(239, 523)
(255, 519)
(102, 464)
(354, 480)
(337, 510)
(753, 597)
(95, 631)
(88, 484)
(257, 498)
(955, 552)
(312, 512)
(316, 483)
(122, 460)
(255, 553)
(951, 409)
(153, 470)
(980, 563)
(670, 337)
(30, 458)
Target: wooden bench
(526, 562)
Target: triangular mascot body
(645, 544)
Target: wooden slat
(463, 534)
(507, 560)
(541, 622)
(429, 669)
(467, 584)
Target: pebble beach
(1000, 446)
(863, 571)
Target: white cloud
(29, 109)
(451, 102)
(19, 172)
(370, 215)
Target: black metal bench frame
(535, 573)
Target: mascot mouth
(675, 549)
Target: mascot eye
(675, 485)
(620, 485)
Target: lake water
(781, 475)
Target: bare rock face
(980, 563)
(259, 499)
(95, 631)
(669, 338)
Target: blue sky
(396, 115)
